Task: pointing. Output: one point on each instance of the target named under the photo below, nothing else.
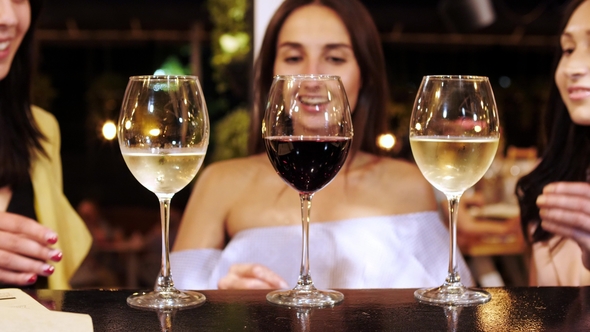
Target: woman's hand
(565, 210)
(251, 276)
(25, 250)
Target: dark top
(23, 203)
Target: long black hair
(369, 116)
(566, 156)
(19, 134)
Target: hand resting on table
(251, 276)
(25, 248)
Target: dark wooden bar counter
(511, 309)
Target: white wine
(453, 164)
(165, 172)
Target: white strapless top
(399, 251)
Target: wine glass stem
(304, 274)
(453, 276)
(165, 282)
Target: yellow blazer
(52, 207)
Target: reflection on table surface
(511, 309)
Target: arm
(204, 218)
(565, 210)
(203, 226)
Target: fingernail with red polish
(48, 269)
(32, 279)
(56, 256)
(52, 238)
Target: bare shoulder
(213, 197)
(238, 170)
(229, 179)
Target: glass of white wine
(163, 135)
(454, 134)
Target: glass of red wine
(307, 131)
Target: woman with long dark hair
(555, 197)
(34, 213)
(375, 225)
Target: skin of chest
(353, 194)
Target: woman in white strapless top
(374, 226)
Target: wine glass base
(304, 298)
(173, 299)
(457, 295)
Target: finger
(245, 270)
(26, 247)
(10, 261)
(580, 236)
(566, 202)
(260, 272)
(270, 277)
(17, 224)
(15, 278)
(566, 218)
(568, 188)
(232, 281)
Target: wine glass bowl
(163, 135)
(454, 134)
(307, 131)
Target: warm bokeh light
(386, 141)
(109, 130)
(232, 42)
(155, 132)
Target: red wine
(307, 164)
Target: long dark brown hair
(19, 134)
(369, 116)
(566, 156)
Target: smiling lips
(313, 101)
(578, 93)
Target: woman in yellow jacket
(34, 213)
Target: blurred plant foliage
(230, 63)
(231, 135)
(103, 99)
(230, 37)
(173, 66)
